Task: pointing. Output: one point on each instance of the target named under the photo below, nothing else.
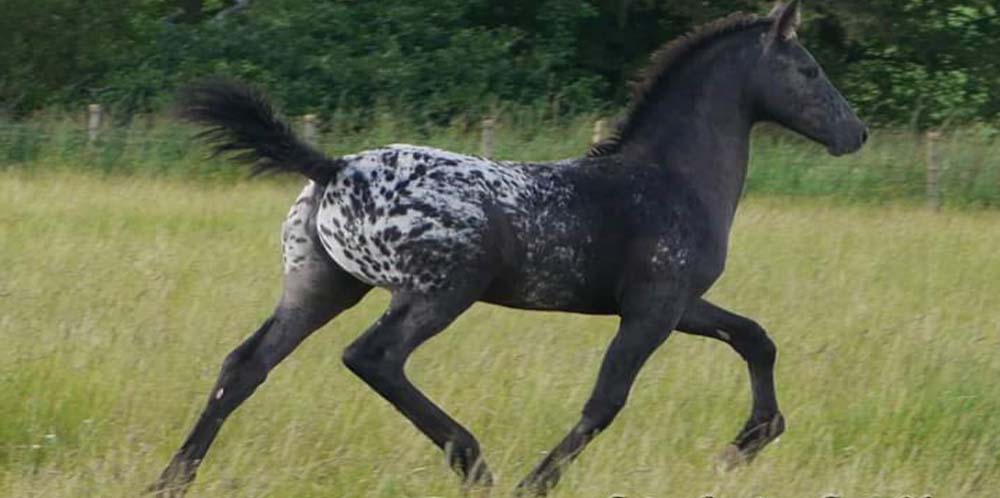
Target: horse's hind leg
(308, 303)
(379, 355)
(315, 291)
(751, 342)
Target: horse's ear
(776, 9)
(788, 18)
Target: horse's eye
(809, 72)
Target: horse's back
(407, 217)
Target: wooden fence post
(600, 131)
(486, 148)
(94, 117)
(933, 172)
(309, 129)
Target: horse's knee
(358, 359)
(370, 361)
(241, 373)
(765, 350)
(755, 345)
(245, 364)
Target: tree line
(917, 63)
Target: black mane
(660, 68)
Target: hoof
(162, 490)
(730, 459)
(749, 443)
(532, 489)
(477, 491)
(173, 482)
(480, 487)
(479, 477)
(165, 488)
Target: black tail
(241, 120)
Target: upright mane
(660, 67)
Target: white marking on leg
(219, 393)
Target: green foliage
(920, 62)
(59, 50)
(353, 57)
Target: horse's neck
(698, 129)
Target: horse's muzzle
(850, 141)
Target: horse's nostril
(864, 136)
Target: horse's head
(790, 88)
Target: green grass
(119, 297)
(891, 168)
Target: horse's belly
(556, 275)
(534, 292)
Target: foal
(638, 228)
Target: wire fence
(957, 168)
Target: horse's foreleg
(308, 303)
(646, 324)
(750, 340)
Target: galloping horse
(638, 228)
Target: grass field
(120, 296)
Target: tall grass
(891, 167)
(120, 296)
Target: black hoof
(755, 436)
(173, 482)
